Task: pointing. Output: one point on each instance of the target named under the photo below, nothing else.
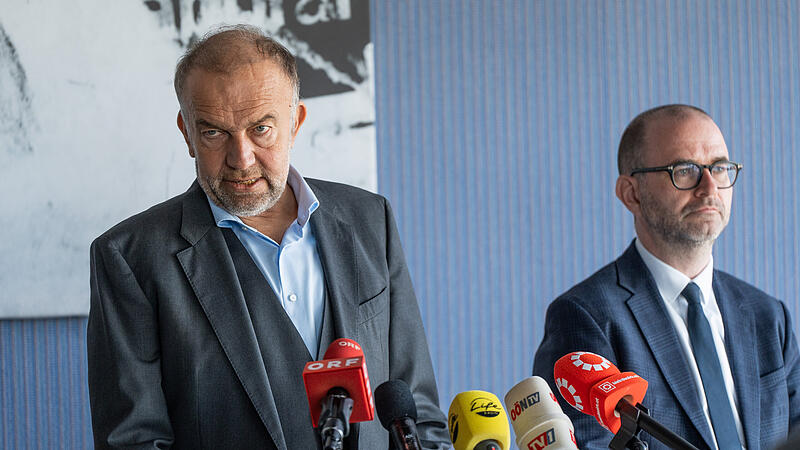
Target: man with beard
(720, 356)
(206, 308)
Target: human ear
(185, 132)
(299, 117)
(627, 190)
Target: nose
(707, 186)
(240, 153)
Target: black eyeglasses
(687, 175)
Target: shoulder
(738, 285)
(156, 224)
(745, 294)
(598, 290)
(348, 202)
(604, 295)
(331, 190)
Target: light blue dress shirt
(292, 268)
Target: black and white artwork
(15, 99)
(87, 121)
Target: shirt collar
(307, 203)
(671, 282)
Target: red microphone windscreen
(343, 348)
(343, 366)
(594, 386)
(576, 373)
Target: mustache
(708, 203)
(253, 172)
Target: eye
(261, 129)
(210, 133)
(718, 169)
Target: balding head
(633, 141)
(229, 48)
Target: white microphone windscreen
(537, 418)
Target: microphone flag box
(605, 395)
(476, 416)
(348, 373)
(549, 434)
(593, 385)
(537, 418)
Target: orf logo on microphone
(485, 407)
(333, 364)
(348, 343)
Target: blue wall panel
(44, 399)
(498, 123)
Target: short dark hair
(629, 154)
(224, 49)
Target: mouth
(243, 184)
(706, 210)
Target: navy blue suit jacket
(618, 313)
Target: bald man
(720, 356)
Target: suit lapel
(211, 273)
(339, 263)
(740, 345)
(655, 324)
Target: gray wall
(497, 125)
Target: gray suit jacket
(174, 359)
(618, 313)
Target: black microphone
(398, 414)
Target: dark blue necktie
(705, 353)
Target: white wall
(88, 135)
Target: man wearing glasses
(720, 356)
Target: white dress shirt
(670, 283)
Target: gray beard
(242, 205)
(674, 232)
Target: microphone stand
(637, 418)
(334, 420)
